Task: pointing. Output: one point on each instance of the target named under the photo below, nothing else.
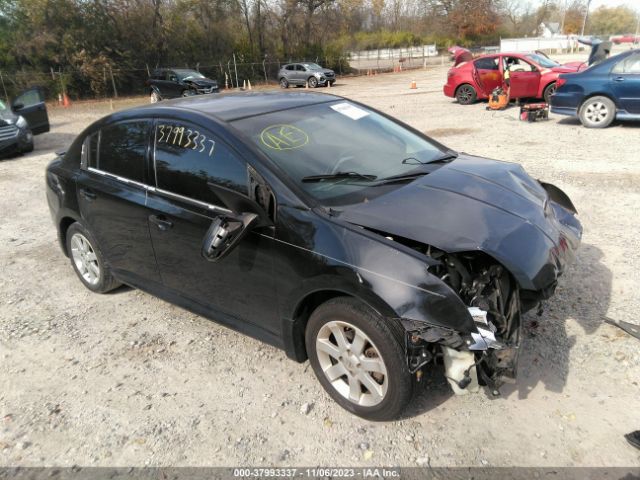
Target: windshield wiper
(403, 177)
(339, 176)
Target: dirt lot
(127, 379)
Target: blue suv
(602, 93)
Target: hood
(570, 67)
(471, 204)
(7, 115)
(202, 82)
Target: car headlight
(21, 122)
(317, 75)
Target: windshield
(312, 66)
(357, 147)
(186, 74)
(542, 61)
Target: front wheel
(359, 359)
(154, 97)
(87, 260)
(597, 112)
(313, 82)
(466, 94)
(548, 91)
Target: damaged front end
(488, 356)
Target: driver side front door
(189, 160)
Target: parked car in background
(179, 82)
(25, 117)
(301, 74)
(531, 75)
(607, 91)
(323, 227)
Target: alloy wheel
(85, 259)
(352, 363)
(465, 94)
(596, 112)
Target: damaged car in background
(323, 227)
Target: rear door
(625, 83)
(188, 159)
(30, 104)
(487, 73)
(524, 78)
(112, 188)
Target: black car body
(607, 91)
(19, 122)
(168, 83)
(441, 257)
(305, 73)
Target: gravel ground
(127, 379)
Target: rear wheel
(359, 359)
(284, 83)
(466, 94)
(597, 112)
(87, 260)
(548, 91)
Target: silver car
(301, 74)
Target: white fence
(563, 42)
(394, 53)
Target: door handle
(161, 222)
(88, 194)
(619, 79)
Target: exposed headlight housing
(21, 122)
(318, 75)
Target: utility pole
(586, 15)
(564, 16)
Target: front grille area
(8, 132)
(207, 90)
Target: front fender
(391, 278)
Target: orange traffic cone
(66, 103)
(414, 85)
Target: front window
(542, 61)
(188, 74)
(359, 147)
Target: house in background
(549, 30)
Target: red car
(532, 75)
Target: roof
(233, 106)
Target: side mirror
(17, 106)
(225, 233)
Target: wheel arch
(63, 226)
(293, 328)
(597, 94)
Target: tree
(612, 20)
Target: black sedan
(320, 226)
(607, 91)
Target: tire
(187, 93)
(284, 83)
(87, 260)
(154, 97)
(380, 396)
(548, 91)
(313, 82)
(597, 112)
(28, 148)
(466, 94)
